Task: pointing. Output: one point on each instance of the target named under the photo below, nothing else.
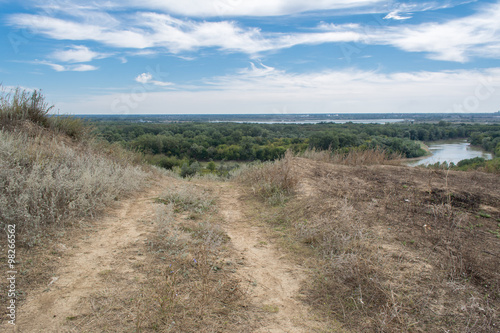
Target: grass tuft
(272, 181)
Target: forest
(177, 143)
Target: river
(450, 151)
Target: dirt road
(99, 271)
(274, 282)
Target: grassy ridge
(51, 169)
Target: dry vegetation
(272, 181)
(353, 157)
(53, 174)
(52, 171)
(196, 289)
(400, 249)
(47, 183)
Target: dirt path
(100, 272)
(113, 248)
(274, 282)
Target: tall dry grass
(19, 107)
(353, 157)
(272, 181)
(52, 170)
(47, 182)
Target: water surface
(339, 121)
(451, 151)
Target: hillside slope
(401, 248)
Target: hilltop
(307, 243)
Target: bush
(166, 162)
(18, 105)
(189, 170)
(73, 127)
(47, 180)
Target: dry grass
(401, 249)
(186, 284)
(353, 157)
(20, 105)
(45, 182)
(272, 181)
(191, 287)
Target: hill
(310, 243)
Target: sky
(254, 56)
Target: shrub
(353, 156)
(189, 170)
(18, 106)
(73, 127)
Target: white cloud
(262, 89)
(164, 31)
(477, 35)
(403, 10)
(96, 12)
(77, 53)
(81, 68)
(144, 78)
(71, 30)
(68, 68)
(215, 8)
(147, 78)
(457, 40)
(395, 15)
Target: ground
(351, 248)
(99, 269)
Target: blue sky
(254, 56)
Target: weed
(189, 198)
(485, 215)
(273, 181)
(270, 308)
(353, 156)
(359, 220)
(44, 182)
(195, 291)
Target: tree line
(170, 144)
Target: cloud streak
(68, 68)
(459, 40)
(477, 35)
(147, 78)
